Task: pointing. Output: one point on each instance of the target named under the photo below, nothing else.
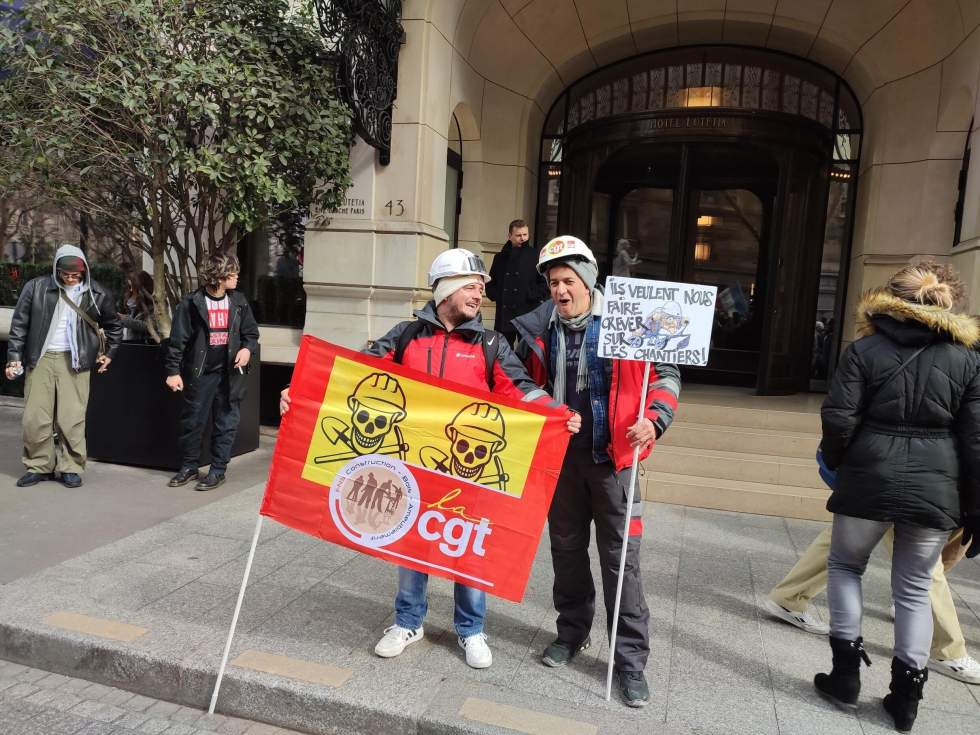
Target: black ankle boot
(843, 684)
(906, 691)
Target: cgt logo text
(375, 501)
(456, 533)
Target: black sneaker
(33, 478)
(183, 477)
(210, 481)
(636, 692)
(559, 653)
(71, 479)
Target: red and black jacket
(661, 400)
(459, 355)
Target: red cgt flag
(420, 472)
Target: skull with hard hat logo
(477, 436)
(377, 406)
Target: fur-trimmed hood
(961, 328)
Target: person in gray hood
(54, 338)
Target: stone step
(718, 414)
(736, 495)
(780, 443)
(762, 468)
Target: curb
(423, 703)
(249, 695)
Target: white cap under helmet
(457, 262)
(563, 247)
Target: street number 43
(395, 207)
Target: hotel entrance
(720, 166)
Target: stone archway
(913, 66)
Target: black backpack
(491, 346)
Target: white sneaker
(478, 654)
(395, 639)
(808, 620)
(965, 668)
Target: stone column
(366, 268)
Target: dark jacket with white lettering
(458, 356)
(622, 402)
(906, 446)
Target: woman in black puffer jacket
(901, 425)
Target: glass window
(708, 77)
(272, 271)
(453, 203)
(750, 87)
(555, 124)
(548, 193)
(454, 175)
(731, 91)
(961, 193)
(643, 218)
(726, 255)
(847, 146)
(620, 96)
(770, 90)
(837, 230)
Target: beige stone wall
(499, 64)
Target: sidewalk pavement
(46, 524)
(149, 613)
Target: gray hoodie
(62, 310)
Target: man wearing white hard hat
(448, 340)
(559, 341)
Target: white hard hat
(564, 247)
(457, 262)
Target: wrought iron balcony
(364, 37)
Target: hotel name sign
(684, 121)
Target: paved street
(146, 610)
(36, 702)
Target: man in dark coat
(515, 284)
(58, 348)
(211, 343)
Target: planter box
(132, 416)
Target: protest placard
(651, 321)
(657, 321)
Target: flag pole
(626, 537)
(234, 619)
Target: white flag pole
(626, 537)
(234, 619)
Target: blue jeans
(411, 604)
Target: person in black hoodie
(901, 426)
(515, 284)
(211, 343)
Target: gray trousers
(590, 493)
(916, 553)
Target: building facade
(793, 153)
